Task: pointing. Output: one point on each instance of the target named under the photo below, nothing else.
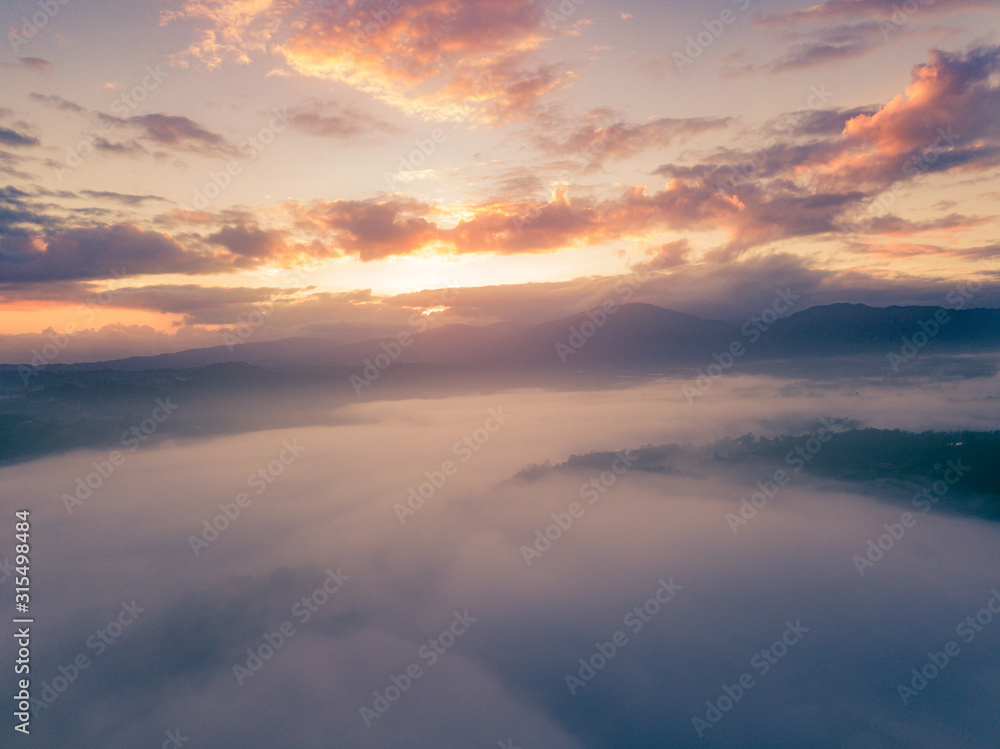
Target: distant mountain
(449, 344)
(270, 354)
(270, 385)
(634, 337)
(837, 329)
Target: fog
(338, 504)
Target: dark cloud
(70, 292)
(121, 148)
(821, 46)
(18, 212)
(8, 162)
(103, 251)
(13, 138)
(99, 252)
(118, 197)
(175, 132)
(820, 122)
(251, 245)
(181, 133)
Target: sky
(169, 169)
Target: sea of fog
(287, 589)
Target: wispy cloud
(329, 119)
(32, 64)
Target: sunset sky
(339, 163)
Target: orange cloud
(952, 98)
(441, 59)
(241, 27)
(372, 229)
(435, 58)
(368, 229)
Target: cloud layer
(505, 678)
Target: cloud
(374, 229)
(603, 137)
(867, 8)
(126, 148)
(57, 102)
(462, 550)
(806, 178)
(445, 60)
(329, 119)
(106, 251)
(17, 212)
(950, 90)
(251, 246)
(821, 46)
(840, 30)
(431, 58)
(33, 64)
(180, 133)
(240, 28)
(100, 252)
(812, 176)
(10, 137)
(118, 197)
(200, 305)
(371, 229)
(891, 225)
(670, 276)
(713, 288)
(187, 299)
(8, 165)
(668, 255)
(176, 132)
(820, 122)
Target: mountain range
(634, 336)
(273, 384)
